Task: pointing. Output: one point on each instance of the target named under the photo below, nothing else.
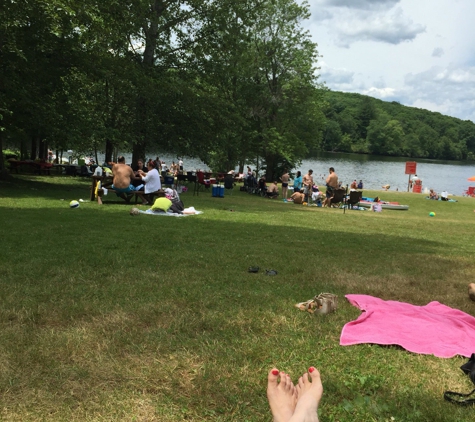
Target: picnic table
(69, 169)
(38, 166)
(105, 181)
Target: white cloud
(360, 4)
(366, 50)
(335, 77)
(450, 90)
(382, 93)
(391, 28)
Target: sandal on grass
(460, 398)
(253, 269)
(271, 272)
(324, 303)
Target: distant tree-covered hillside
(361, 124)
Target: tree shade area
(228, 82)
(362, 124)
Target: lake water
(375, 171)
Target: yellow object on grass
(162, 204)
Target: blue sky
(418, 52)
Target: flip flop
(271, 272)
(253, 269)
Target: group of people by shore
(305, 188)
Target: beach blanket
(431, 329)
(169, 214)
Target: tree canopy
(362, 124)
(221, 80)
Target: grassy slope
(105, 316)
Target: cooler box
(215, 190)
(221, 191)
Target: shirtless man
(273, 190)
(285, 183)
(297, 197)
(307, 183)
(332, 184)
(123, 176)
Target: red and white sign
(411, 167)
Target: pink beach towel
(431, 329)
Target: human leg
(143, 197)
(309, 392)
(282, 395)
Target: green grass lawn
(105, 316)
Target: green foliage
(225, 81)
(362, 124)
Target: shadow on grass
(49, 187)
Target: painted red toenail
(275, 372)
(311, 369)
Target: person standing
(180, 165)
(285, 183)
(298, 182)
(332, 184)
(307, 183)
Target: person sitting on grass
(294, 403)
(122, 178)
(297, 197)
(262, 184)
(433, 195)
(273, 190)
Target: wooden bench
(106, 182)
(38, 166)
(130, 195)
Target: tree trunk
(34, 148)
(151, 36)
(3, 171)
(109, 151)
(138, 152)
(43, 151)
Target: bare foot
(282, 395)
(309, 395)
